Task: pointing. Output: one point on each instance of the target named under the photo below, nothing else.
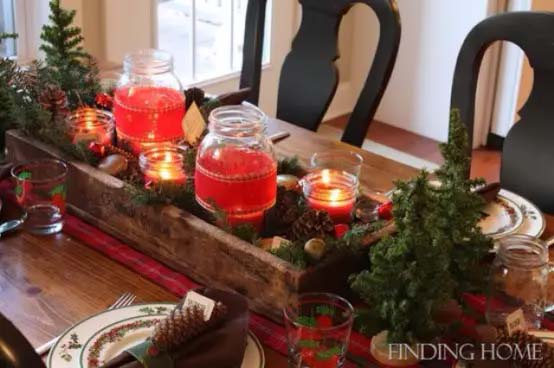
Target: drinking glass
(318, 330)
(519, 281)
(339, 160)
(41, 191)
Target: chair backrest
(15, 350)
(253, 48)
(309, 76)
(528, 153)
(311, 61)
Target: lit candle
(163, 164)
(331, 191)
(87, 124)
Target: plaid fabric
(270, 333)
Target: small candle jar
(149, 104)
(332, 191)
(88, 124)
(164, 164)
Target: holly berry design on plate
(58, 197)
(23, 186)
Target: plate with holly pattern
(501, 217)
(101, 337)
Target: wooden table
(50, 283)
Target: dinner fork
(123, 301)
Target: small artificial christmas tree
(434, 256)
(66, 60)
(460, 211)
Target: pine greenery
(66, 60)
(436, 253)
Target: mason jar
(236, 168)
(149, 103)
(519, 281)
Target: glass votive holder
(318, 327)
(518, 281)
(88, 124)
(341, 160)
(40, 189)
(332, 191)
(164, 164)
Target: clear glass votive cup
(340, 160)
(318, 327)
(40, 188)
(519, 281)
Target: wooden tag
(195, 299)
(515, 322)
(193, 124)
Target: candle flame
(165, 174)
(326, 176)
(335, 195)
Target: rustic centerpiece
(187, 243)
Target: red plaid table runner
(270, 333)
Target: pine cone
(287, 209)
(194, 95)
(54, 99)
(184, 324)
(522, 339)
(312, 224)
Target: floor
(485, 162)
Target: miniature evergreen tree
(460, 211)
(436, 252)
(66, 60)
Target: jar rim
(237, 120)
(99, 117)
(523, 250)
(148, 61)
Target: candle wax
(339, 211)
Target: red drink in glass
(147, 115)
(239, 181)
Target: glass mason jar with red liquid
(236, 169)
(149, 103)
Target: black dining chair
(15, 350)
(309, 76)
(527, 166)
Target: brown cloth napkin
(221, 347)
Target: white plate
(504, 217)
(101, 337)
(533, 219)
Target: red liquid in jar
(238, 181)
(148, 114)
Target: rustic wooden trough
(188, 244)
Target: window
(7, 25)
(205, 36)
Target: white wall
(418, 96)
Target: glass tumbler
(41, 190)
(340, 160)
(318, 330)
(519, 281)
